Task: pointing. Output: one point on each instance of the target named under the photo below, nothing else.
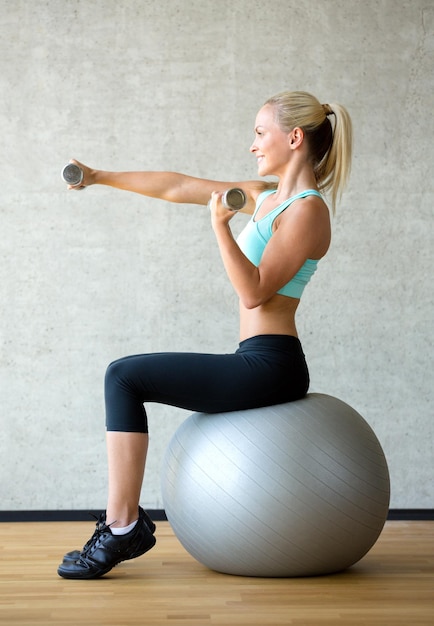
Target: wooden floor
(393, 584)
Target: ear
(296, 137)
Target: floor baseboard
(159, 515)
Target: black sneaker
(104, 550)
(75, 554)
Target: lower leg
(126, 453)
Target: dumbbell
(233, 199)
(72, 174)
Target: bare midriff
(275, 317)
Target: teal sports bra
(255, 236)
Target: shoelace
(100, 526)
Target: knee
(115, 374)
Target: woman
(269, 266)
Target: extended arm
(169, 186)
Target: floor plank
(393, 584)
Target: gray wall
(88, 277)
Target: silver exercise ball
(296, 489)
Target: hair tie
(327, 109)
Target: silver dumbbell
(72, 174)
(233, 199)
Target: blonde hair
(330, 145)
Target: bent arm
(301, 234)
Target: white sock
(123, 530)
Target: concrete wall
(88, 277)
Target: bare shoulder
(307, 220)
(310, 209)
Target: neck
(295, 179)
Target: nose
(253, 148)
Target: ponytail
(330, 143)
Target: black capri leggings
(265, 370)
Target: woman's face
(271, 146)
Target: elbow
(255, 294)
(252, 301)
(249, 304)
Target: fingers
(219, 213)
(212, 203)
